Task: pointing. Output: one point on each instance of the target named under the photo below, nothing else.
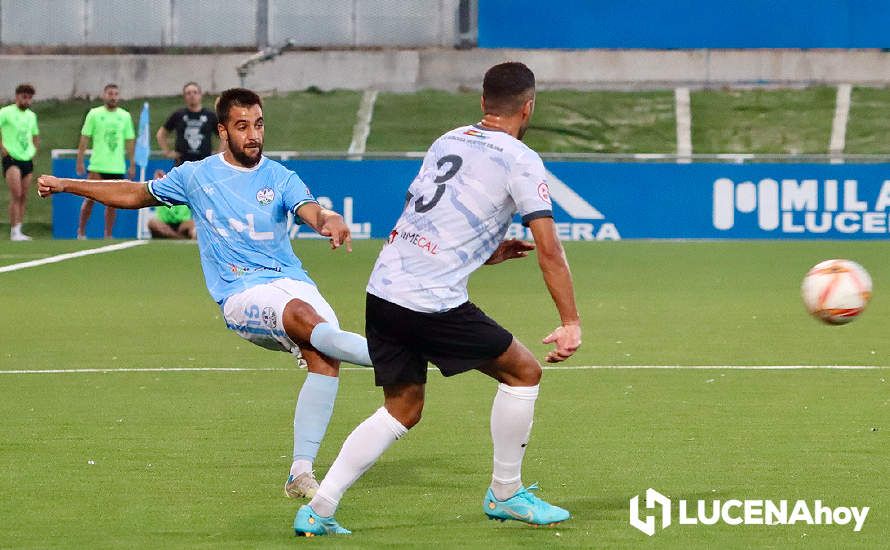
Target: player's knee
(410, 417)
(518, 367)
(405, 404)
(529, 374)
(299, 319)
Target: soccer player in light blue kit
(240, 201)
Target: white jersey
(457, 212)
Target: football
(836, 291)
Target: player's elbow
(133, 198)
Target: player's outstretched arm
(558, 278)
(116, 193)
(328, 223)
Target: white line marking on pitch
(71, 255)
(362, 124)
(718, 367)
(546, 367)
(839, 123)
(683, 115)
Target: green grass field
(867, 130)
(196, 459)
(762, 121)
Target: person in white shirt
(472, 182)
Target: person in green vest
(172, 222)
(113, 139)
(19, 140)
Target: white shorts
(256, 313)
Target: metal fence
(236, 23)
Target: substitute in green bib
(172, 222)
(19, 140)
(110, 128)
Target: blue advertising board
(688, 24)
(611, 201)
(66, 208)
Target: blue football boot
(309, 524)
(524, 507)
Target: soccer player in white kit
(472, 182)
(240, 201)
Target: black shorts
(26, 166)
(401, 341)
(110, 176)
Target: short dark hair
(506, 87)
(110, 85)
(24, 89)
(195, 84)
(240, 97)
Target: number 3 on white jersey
(240, 226)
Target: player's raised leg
(305, 326)
(282, 315)
(512, 413)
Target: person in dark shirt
(194, 126)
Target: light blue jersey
(241, 218)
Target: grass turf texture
(762, 121)
(197, 459)
(564, 121)
(867, 129)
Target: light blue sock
(313, 413)
(339, 344)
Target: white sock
(300, 466)
(16, 229)
(511, 424)
(360, 451)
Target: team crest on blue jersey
(270, 318)
(265, 195)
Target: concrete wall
(239, 23)
(446, 69)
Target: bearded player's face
(244, 133)
(111, 96)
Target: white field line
(839, 124)
(684, 123)
(363, 124)
(546, 367)
(72, 255)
